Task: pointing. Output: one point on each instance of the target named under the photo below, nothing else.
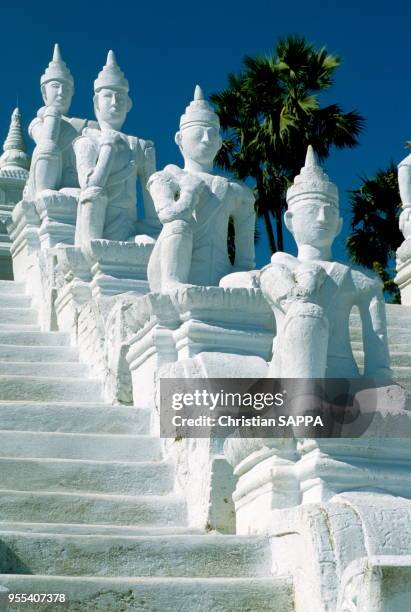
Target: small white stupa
(14, 172)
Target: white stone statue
(108, 163)
(404, 181)
(195, 205)
(312, 296)
(53, 163)
(403, 254)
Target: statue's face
(111, 107)
(199, 143)
(58, 94)
(314, 222)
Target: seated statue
(195, 205)
(53, 164)
(108, 163)
(312, 296)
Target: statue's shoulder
(170, 172)
(242, 191)
(171, 169)
(406, 161)
(76, 123)
(365, 280)
(34, 123)
(89, 139)
(284, 259)
(144, 144)
(91, 134)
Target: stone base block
(329, 467)
(376, 584)
(403, 277)
(57, 211)
(119, 267)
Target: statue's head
(57, 84)
(111, 99)
(199, 135)
(313, 215)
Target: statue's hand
(91, 193)
(49, 111)
(110, 138)
(309, 277)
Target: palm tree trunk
(263, 207)
(279, 228)
(269, 230)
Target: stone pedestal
(74, 287)
(376, 584)
(200, 320)
(328, 467)
(25, 238)
(403, 277)
(266, 480)
(57, 211)
(118, 267)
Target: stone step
(11, 287)
(123, 594)
(17, 315)
(402, 373)
(176, 555)
(15, 301)
(73, 418)
(393, 312)
(69, 476)
(17, 327)
(46, 354)
(94, 447)
(400, 336)
(34, 338)
(37, 388)
(398, 358)
(400, 323)
(94, 529)
(64, 369)
(395, 347)
(36, 507)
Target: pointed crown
(312, 182)
(57, 69)
(111, 76)
(15, 156)
(199, 111)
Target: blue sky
(166, 48)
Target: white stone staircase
(86, 499)
(399, 337)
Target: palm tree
(270, 112)
(375, 208)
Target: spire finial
(310, 158)
(111, 59)
(312, 183)
(199, 111)
(57, 53)
(198, 93)
(111, 75)
(57, 69)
